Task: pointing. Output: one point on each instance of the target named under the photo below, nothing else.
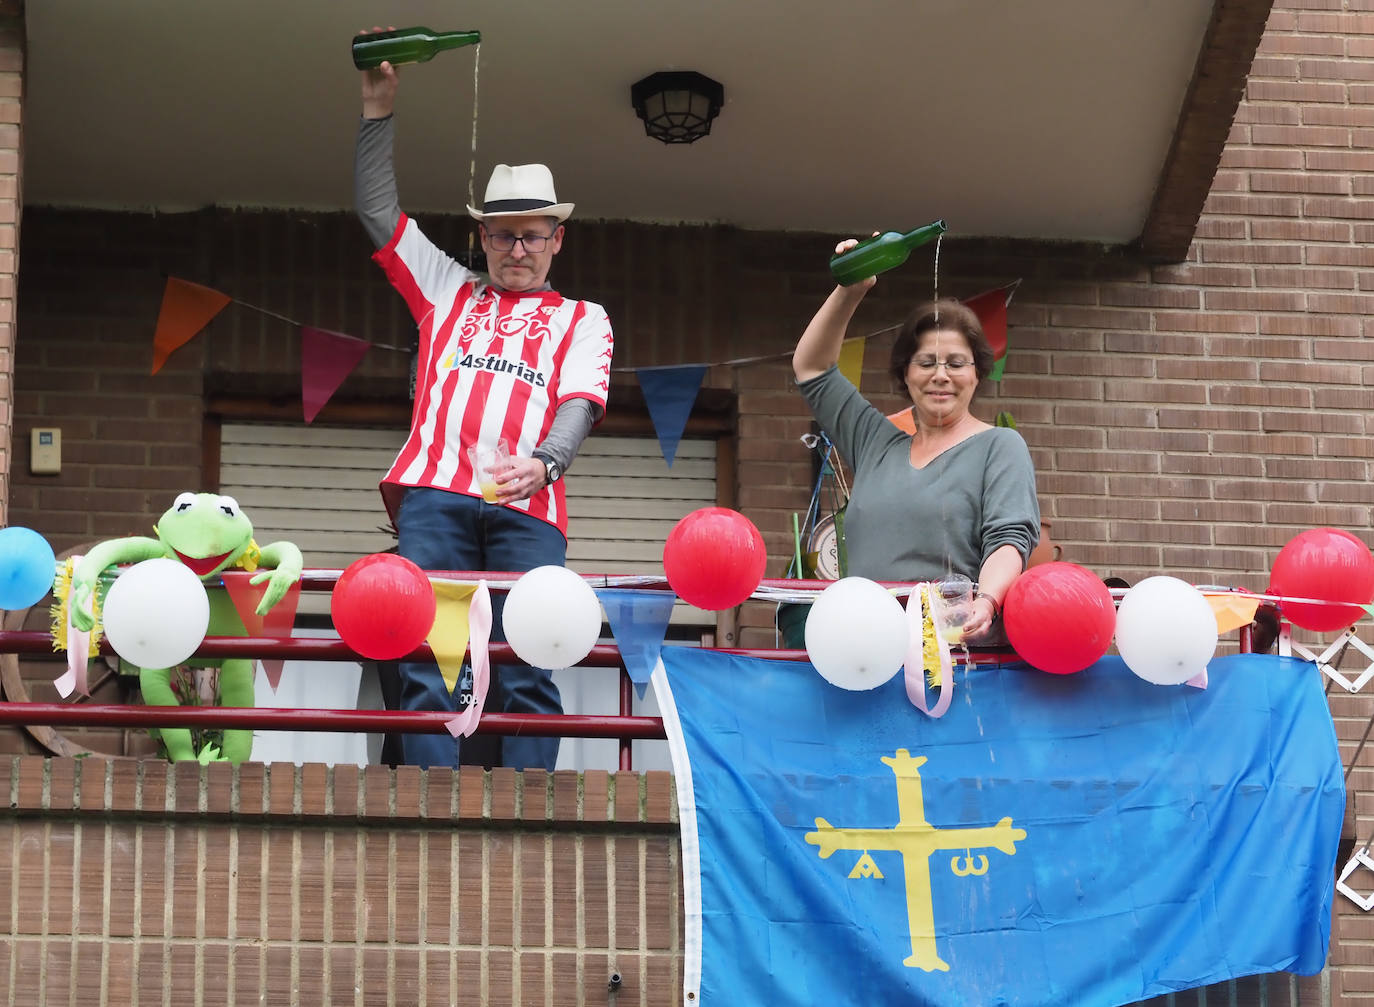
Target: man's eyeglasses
(504, 241)
(952, 366)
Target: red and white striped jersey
(493, 364)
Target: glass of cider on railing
(951, 607)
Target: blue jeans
(440, 530)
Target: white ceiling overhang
(1083, 120)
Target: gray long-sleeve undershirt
(374, 179)
(379, 208)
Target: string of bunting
(670, 392)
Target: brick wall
(11, 202)
(134, 882)
(139, 883)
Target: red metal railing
(622, 726)
(545, 725)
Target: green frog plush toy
(207, 533)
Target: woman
(958, 495)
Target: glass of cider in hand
(952, 606)
(489, 461)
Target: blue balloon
(27, 568)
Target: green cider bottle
(880, 252)
(407, 45)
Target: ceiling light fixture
(677, 106)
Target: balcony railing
(621, 726)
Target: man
(502, 359)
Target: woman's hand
(995, 578)
(982, 614)
(866, 284)
(819, 347)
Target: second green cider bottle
(880, 252)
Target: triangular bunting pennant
(991, 309)
(852, 359)
(903, 420)
(277, 623)
(669, 393)
(638, 619)
(186, 309)
(327, 358)
(448, 638)
(1232, 610)
(245, 597)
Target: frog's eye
(229, 506)
(184, 502)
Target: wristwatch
(552, 473)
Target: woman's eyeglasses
(952, 366)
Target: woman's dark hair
(946, 315)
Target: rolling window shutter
(317, 486)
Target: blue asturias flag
(1088, 839)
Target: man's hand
(521, 480)
(379, 86)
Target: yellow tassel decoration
(61, 593)
(930, 647)
(251, 557)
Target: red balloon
(1329, 565)
(1059, 617)
(714, 558)
(383, 606)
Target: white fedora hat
(520, 189)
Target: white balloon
(156, 613)
(856, 634)
(552, 618)
(1166, 632)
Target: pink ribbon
(78, 653)
(479, 625)
(915, 675)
